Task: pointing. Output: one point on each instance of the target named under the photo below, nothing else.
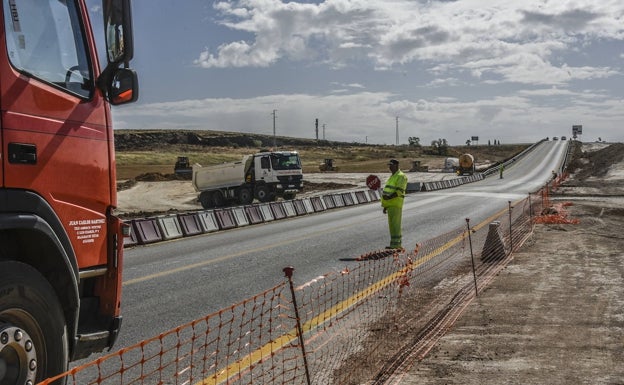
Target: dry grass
(348, 158)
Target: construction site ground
(555, 314)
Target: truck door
(54, 120)
(265, 168)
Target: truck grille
(287, 180)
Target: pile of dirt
(157, 177)
(596, 163)
(124, 185)
(148, 177)
(595, 171)
(327, 186)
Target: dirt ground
(555, 314)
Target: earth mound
(596, 163)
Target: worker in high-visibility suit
(392, 202)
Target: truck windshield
(44, 39)
(285, 161)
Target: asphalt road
(171, 283)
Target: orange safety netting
(554, 213)
(334, 329)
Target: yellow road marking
(245, 363)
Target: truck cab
(60, 242)
(277, 174)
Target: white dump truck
(264, 176)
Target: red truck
(60, 242)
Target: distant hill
(128, 140)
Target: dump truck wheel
(245, 196)
(205, 198)
(262, 193)
(33, 334)
(218, 199)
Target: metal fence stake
(474, 273)
(510, 229)
(288, 271)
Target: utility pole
(323, 131)
(316, 127)
(274, 116)
(397, 130)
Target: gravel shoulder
(555, 314)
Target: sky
(505, 70)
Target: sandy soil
(555, 314)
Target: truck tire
(245, 196)
(263, 193)
(33, 332)
(205, 198)
(218, 199)
(289, 196)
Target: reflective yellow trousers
(395, 215)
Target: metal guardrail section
(334, 329)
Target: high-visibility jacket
(397, 183)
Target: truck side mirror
(118, 30)
(124, 87)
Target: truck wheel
(218, 199)
(205, 198)
(289, 197)
(33, 334)
(245, 196)
(262, 193)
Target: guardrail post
(474, 274)
(288, 271)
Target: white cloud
(361, 116)
(509, 41)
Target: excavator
(327, 165)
